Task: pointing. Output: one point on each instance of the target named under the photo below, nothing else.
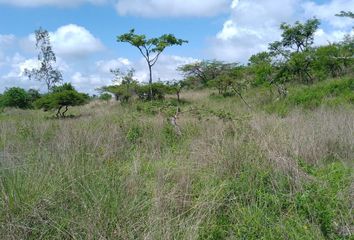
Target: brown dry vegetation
(118, 173)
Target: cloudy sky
(83, 33)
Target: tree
(62, 97)
(176, 88)
(345, 14)
(200, 73)
(261, 67)
(47, 71)
(105, 97)
(33, 95)
(293, 55)
(150, 48)
(16, 97)
(125, 85)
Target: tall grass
(116, 172)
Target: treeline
(292, 60)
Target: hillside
(281, 169)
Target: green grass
(329, 93)
(121, 171)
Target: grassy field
(122, 172)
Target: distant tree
(261, 68)
(155, 91)
(47, 71)
(33, 94)
(16, 97)
(62, 88)
(105, 97)
(150, 48)
(200, 73)
(293, 55)
(125, 84)
(62, 97)
(328, 61)
(345, 14)
(176, 88)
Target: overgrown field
(122, 172)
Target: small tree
(126, 85)
(62, 97)
(293, 55)
(105, 97)
(176, 88)
(47, 72)
(150, 48)
(16, 97)
(200, 73)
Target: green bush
(15, 97)
(105, 97)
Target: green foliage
(150, 48)
(156, 90)
(200, 73)
(33, 95)
(134, 133)
(61, 97)
(330, 92)
(15, 97)
(261, 67)
(105, 97)
(62, 88)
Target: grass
(334, 93)
(121, 172)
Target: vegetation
(15, 97)
(257, 151)
(151, 48)
(61, 97)
(47, 71)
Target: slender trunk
(240, 95)
(58, 112)
(63, 113)
(178, 97)
(150, 81)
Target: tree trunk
(150, 81)
(58, 112)
(178, 97)
(66, 109)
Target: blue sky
(83, 33)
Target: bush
(105, 97)
(58, 100)
(16, 97)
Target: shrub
(105, 97)
(16, 97)
(61, 99)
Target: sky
(83, 34)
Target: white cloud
(254, 24)
(6, 40)
(75, 41)
(172, 8)
(58, 3)
(68, 41)
(327, 12)
(106, 66)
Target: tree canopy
(150, 48)
(47, 72)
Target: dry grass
(115, 173)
